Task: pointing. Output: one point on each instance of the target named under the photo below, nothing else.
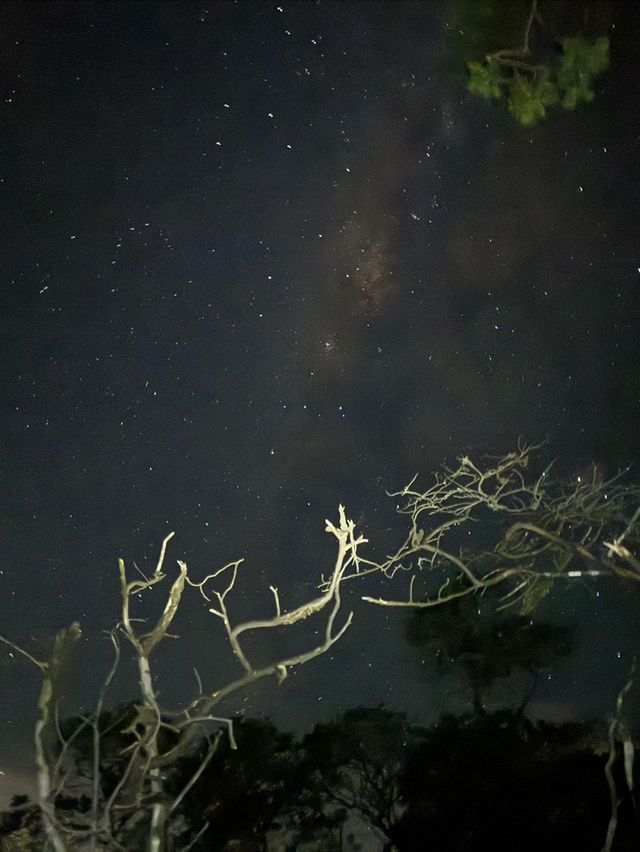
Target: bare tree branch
(478, 527)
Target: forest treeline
(481, 781)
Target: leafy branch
(531, 86)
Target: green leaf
(575, 95)
(581, 62)
(484, 80)
(545, 88)
(525, 103)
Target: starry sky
(260, 259)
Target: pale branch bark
(146, 769)
(46, 729)
(619, 732)
(330, 600)
(543, 530)
(149, 719)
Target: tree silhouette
(498, 781)
(247, 788)
(486, 644)
(489, 781)
(356, 762)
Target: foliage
(529, 97)
(533, 79)
(464, 782)
(501, 782)
(487, 645)
(356, 762)
(581, 62)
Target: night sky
(259, 259)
